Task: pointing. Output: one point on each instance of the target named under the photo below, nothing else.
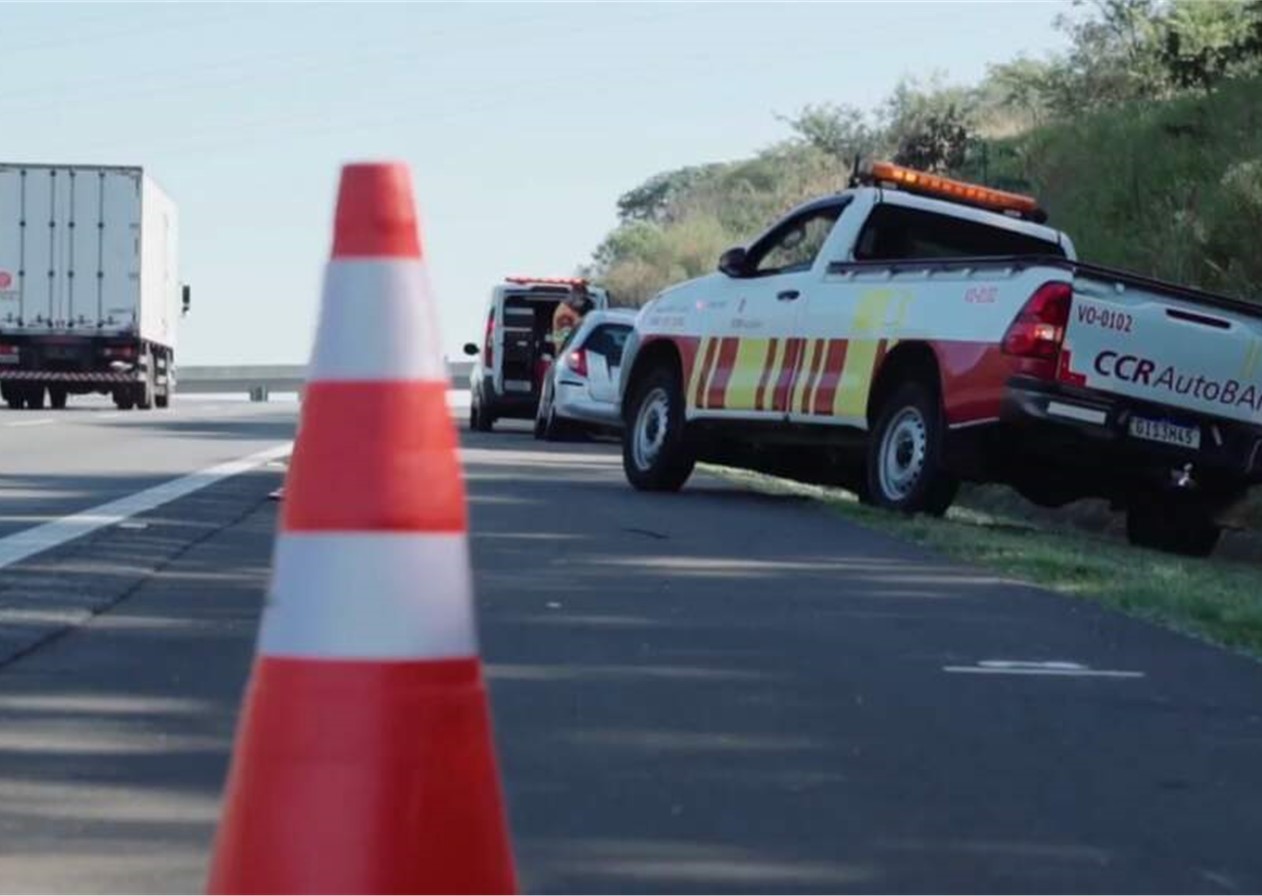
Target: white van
(517, 351)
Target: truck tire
(35, 398)
(904, 465)
(124, 400)
(162, 392)
(12, 396)
(56, 398)
(1167, 523)
(145, 390)
(657, 455)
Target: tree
(1208, 41)
(840, 131)
(930, 125)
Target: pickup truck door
(840, 328)
(750, 359)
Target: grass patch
(1216, 599)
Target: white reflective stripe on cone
(372, 595)
(377, 322)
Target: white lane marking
(1060, 668)
(42, 421)
(28, 542)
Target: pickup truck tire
(656, 453)
(1165, 523)
(479, 419)
(904, 464)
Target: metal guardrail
(258, 380)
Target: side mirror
(187, 299)
(733, 262)
(471, 349)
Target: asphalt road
(54, 463)
(709, 692)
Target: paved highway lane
(54, 463)
(710, 692)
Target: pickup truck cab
(913, 331)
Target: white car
(580, 390)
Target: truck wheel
(145, 390)
(1166, 523)
(656, 453)
(123, 399)
(35, 398)
(904, 466)
(57, 399)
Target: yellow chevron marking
(742, 386)
(856, 378)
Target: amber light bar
(945, 188)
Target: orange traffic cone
(364, 761)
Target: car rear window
(893, 233)
(608, 340)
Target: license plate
(1165, 432)
(517, 385)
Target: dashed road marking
(1059, 668)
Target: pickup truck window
(894, 233)
(794, 244)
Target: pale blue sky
(522, 123)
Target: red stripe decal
(834, 363)
(717, 390)
(374, 456)
(760, 394)
(788, 373)
(817, 361)
(706, 365)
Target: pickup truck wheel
(656, 453)
(479, 419)
(1171, 525)
(904, 465)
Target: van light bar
(946, 188)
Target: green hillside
(1144, 142)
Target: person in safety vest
(569, 314)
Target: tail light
(488, 345)
(577, 361)
(121, 352)
(1039, 328)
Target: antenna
(854, 172)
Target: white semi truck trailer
(90, 291)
